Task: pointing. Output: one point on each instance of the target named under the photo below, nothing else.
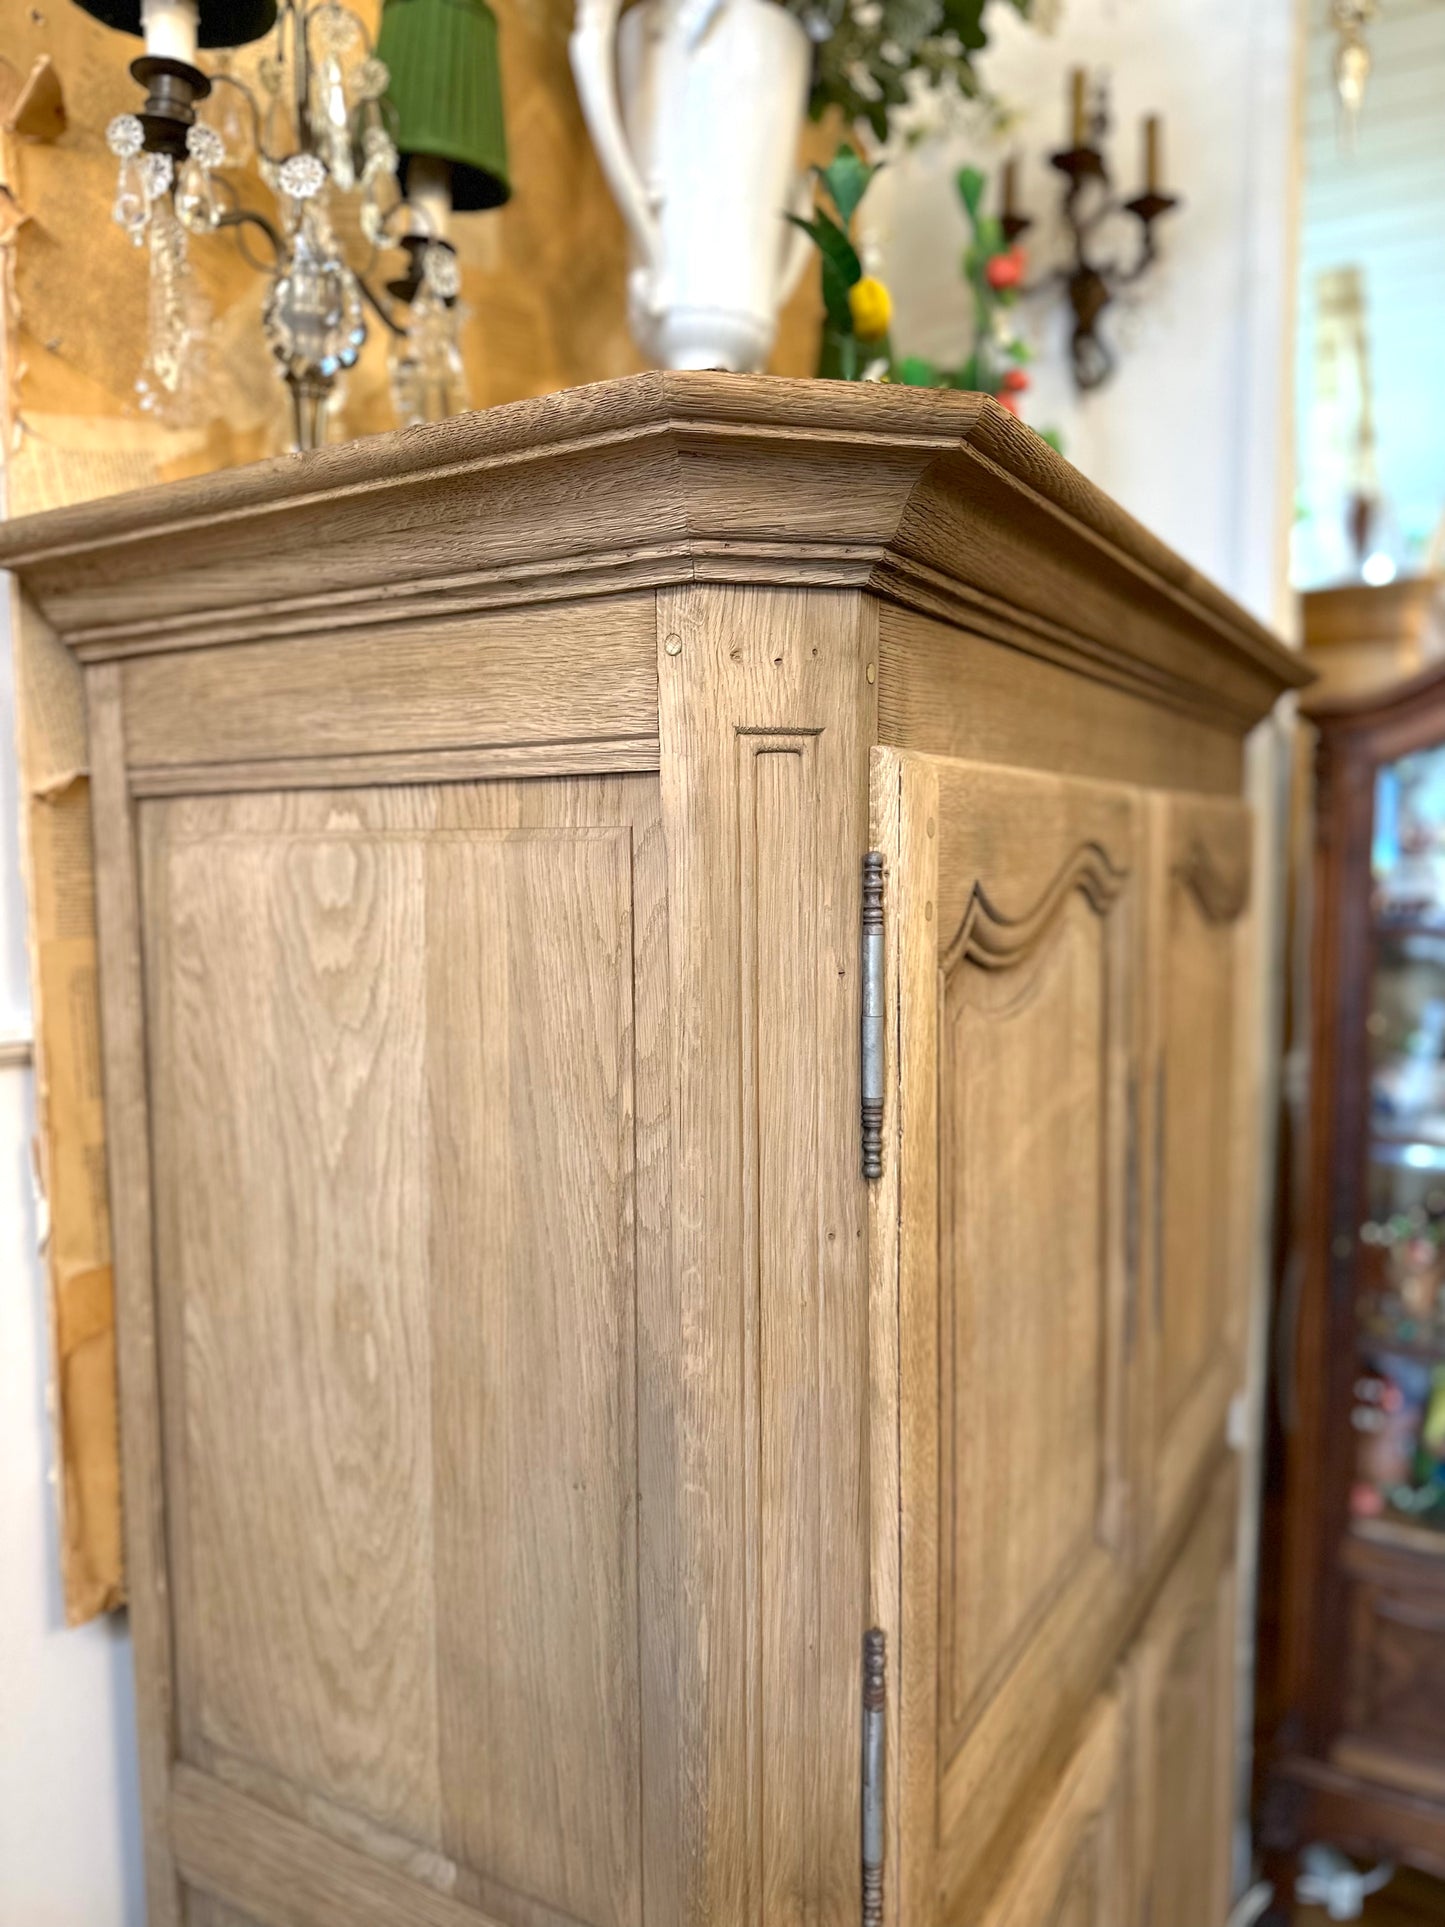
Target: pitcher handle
(593, 50)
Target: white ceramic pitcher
(695, 108)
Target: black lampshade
(224, 23)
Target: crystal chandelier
(322, 135)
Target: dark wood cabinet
(1357, 1756)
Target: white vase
(695, 108)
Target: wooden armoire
(675, 980)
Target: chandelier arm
(379, 308)
(243, 217)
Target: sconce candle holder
(1091, 282)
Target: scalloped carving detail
(995, 942)
(1220, 894)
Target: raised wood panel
(1196, 1104)
(404, 1050)
(1073, 1868)
(553, 675)
(1023, 1070)
(1184, 1677)
(1018, 898)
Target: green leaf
(846, 179)
(915, 372)
(1054, 439)
(972, 185)
(841, 266)
(965, 18)
(1021, 352)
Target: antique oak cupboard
(529, 1402)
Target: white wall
(69, 1824)
(1190, 434)
(1380, 209)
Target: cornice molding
(936, 502)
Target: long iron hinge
(872, 1003)
(875, 1695)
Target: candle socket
(407, 287)
(172, 89)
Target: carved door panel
(1184, 1695)
(408, 1073)
(1200, 1171)
(1016, 921)
(1073, 1870)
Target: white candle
(429, 189)
(172, 28)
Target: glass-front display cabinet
(1358, 1760)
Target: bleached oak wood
(122, 1006)
(1182, 1792)
(1196, 1118)
(1073, 1870)
(529, 1404)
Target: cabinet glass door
(1399, 1412)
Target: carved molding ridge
(995, 942)
(1221, 895)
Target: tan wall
(544, 276)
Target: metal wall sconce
(1090, 282)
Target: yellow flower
(871, 307)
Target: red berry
(1005, 271)
(1015, 381)
(1010, 402)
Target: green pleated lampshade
(224, 23)
(446, 87)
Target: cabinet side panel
(123, 1022)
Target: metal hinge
(875, 1697)
(871, 1081)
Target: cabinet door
(1201, 1171)
(1014, 904)
(1185, 1711)
(408, 1080)
(1073, 1870)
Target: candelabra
(1091, 282)
(329, 144)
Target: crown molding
(940, 503)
